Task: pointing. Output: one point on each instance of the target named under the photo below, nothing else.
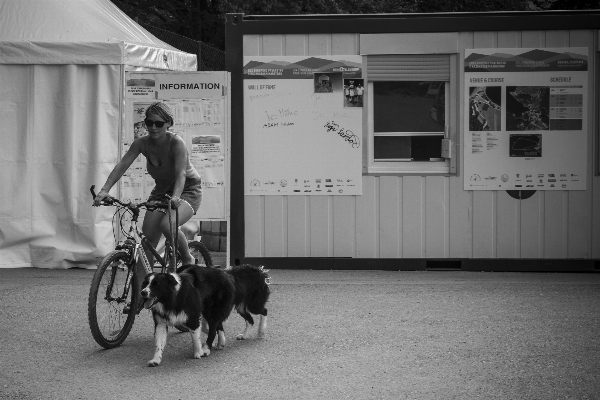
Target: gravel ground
(331, 335)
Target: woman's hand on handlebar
(175, 202)
(102, 195)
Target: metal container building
(428, 215)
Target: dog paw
(153, 363)
(219, 347)
(204, 352)
(241, 337)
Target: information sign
(526, 119)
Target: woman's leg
(152, 230)
(185, 214)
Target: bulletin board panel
(303, 125)
(201, 117)
(527, 118)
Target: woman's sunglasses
(159, 124)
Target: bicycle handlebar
(111, 201)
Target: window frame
(445, 167)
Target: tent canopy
(62, 65)
(81, 32)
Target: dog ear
(171, 280)
(146, 280)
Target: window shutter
(408, 67)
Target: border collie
(251, 294)
(182, 298)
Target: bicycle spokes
(113, 288)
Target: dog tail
(265, 274)
(250, 278)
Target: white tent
(62, 67)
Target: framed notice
(199, 104)
(302, 129)
(526, 119)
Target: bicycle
(110, 291)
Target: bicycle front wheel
(109, 294)
(200, 253)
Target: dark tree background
(204, 20)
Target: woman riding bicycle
(168, 163)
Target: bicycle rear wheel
(200, 253)
(109, 294)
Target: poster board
(201, 117)
(303, 125)
(526, 116)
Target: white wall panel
(275, 226)
(367, 212)
(344, 226)
(255, 227)
(296, 45)
(342, 44)
(320, 227)
(557, 38)
(509, 39)
(390, 217)
(482, 40)
(533, 39)
(319, 44)
(251, 45)
(556, 223)
(579, 228)
(297, 227)
(483, 215)
(413, 217)
(436, 217)
(532, 226)
(461, 227)
(272, 45)
(508, 226)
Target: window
(407, 109)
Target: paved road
(332, 335)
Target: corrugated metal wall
(428, 216)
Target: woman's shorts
(191, 195)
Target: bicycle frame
(136, 242)
(141, 242)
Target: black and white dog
(251, 294)
(182, 298)
(192, 292)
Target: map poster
(525, 119)
(302, 132)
